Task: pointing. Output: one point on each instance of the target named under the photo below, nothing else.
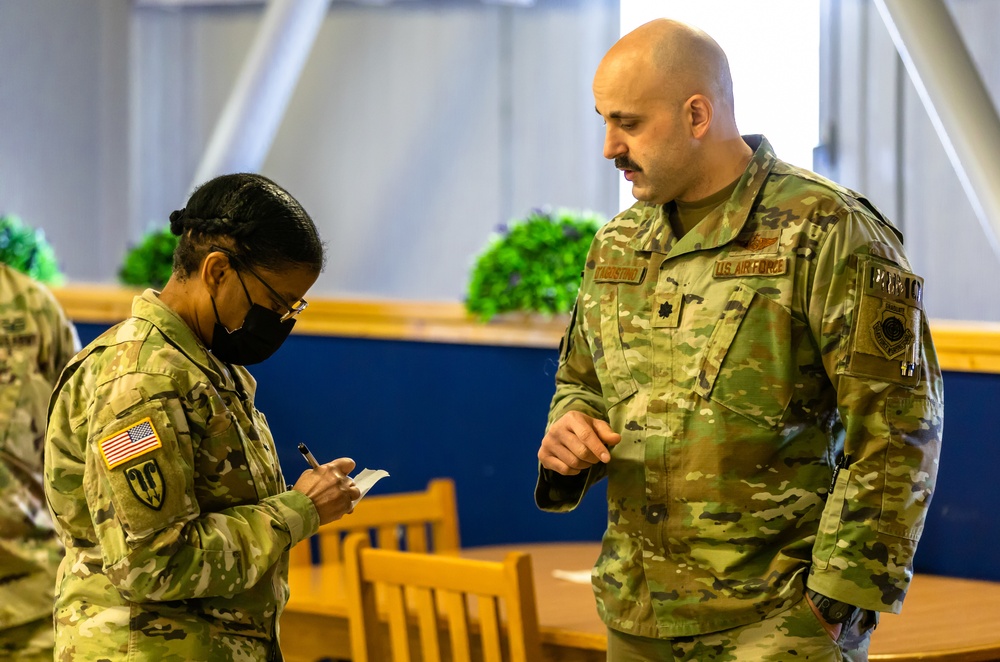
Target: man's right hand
(331, 489)
(575, 442)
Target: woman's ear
(214, 271)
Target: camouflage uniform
(166, 490)
(37, 341)
(779, 340)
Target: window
(773, 51)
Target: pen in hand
(309, 456)
(315, 465)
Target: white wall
(64, 126)
(415, 130)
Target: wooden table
(943, 619)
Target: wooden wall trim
(961, 346)
(444, 322)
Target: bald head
(679, 61)
(666, 96)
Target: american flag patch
(129, 443)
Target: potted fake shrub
(532, 265)
(26, 249)
(150, 262)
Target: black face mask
(260, 336)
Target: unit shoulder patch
(147, 484)
(885, 340)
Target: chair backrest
(487, 607)
(415, 521)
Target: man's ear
(214, 270)
(699, 112)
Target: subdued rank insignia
(885, 342)
(763, 266)
(667, 310)
(13, 324)
(616, 274)
(146, 483)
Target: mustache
(625, 163)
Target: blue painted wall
(476, 414)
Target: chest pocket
(610, 360)
(236, 459)
(746, 366)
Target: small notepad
(575, 576)
(365, 480)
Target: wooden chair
(425, 593)
(416, 521)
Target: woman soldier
(162, 476)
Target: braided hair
(264, 225)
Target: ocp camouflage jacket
(166, 490)
(781, 338)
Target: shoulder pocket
(915, 428)
(610, 361)
(146, 477)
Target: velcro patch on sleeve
(147, 478)
(885, 340)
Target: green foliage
(532, 265)
(151, 261)
(27, 250)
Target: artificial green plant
(27, 250)
(532, 264)
(150, 262)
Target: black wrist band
(833, 611)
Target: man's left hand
(832, 629)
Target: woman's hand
(330, 488)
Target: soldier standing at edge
(37, 341)
(750, 365)
(161, 473)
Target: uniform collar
(147, 306)
(721, 225)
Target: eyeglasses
(294, 308)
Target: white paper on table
(365, 480)
(575, 576)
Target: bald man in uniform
(750, 366)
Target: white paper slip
(366, 479)
(575, 576)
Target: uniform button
(656, 513)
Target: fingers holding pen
(341, 469)
(330, 488)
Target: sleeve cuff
(833, 585)
(299, 514)
(557, 493)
